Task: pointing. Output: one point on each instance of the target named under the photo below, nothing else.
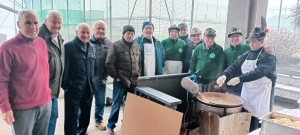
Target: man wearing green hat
(173, 51)
(258, 76)
(207, 61)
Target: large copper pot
(219, 103)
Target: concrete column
(245, 14)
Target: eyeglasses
(235, 36)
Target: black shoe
(109, 101)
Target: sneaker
(111, 131)
(101, 126)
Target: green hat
(195, 31)
(257, 34)
(209, 32)
(235, 30)
(182, 25)
(173, 27)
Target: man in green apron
(207, 61)
(258, 69)
(173, 51)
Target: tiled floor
(92, 130)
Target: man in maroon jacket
(24, 79)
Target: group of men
(37, 62)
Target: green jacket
(209, 64)
(173, 49)
(232, 54)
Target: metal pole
(110, 19)
(91, 11)
(217, 10)
(295, 27)
(41, 14)
(15, 20)
(172, 10)
(9, 8)
(150, 10)
(51, 4)
(84, 11)
(32, 4)
(68, 25)
(279, 15)
(192, 15)
(128, 10)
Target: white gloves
(221, 80)
(234, 81)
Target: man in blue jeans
(49, 31)
(123, 63)
(101, 43)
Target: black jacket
(187, 55)
(101, 53)
(266, 66)
(80, 68)
(56, 54)
(124, 62)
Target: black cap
(173, 27)
(209, 32)
(182, 25)
(235, 30)
(128, 28)
(257, 34)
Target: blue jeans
(119, 91)
(100, 94)
(53, 117)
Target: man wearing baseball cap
(196, 37)
(173, 51)
(123, 65)
(207, 61)
(183, 33)
(152, 51)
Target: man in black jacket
(101, 43)
(123, 63)
(49, 31)
(79, 81)
(196, 37)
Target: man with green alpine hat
(232, 53)
(173, 51)
(207, 61)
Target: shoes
(111, 131)
(109, 101)
(101, 126)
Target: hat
(147, 23)
(173, 27)
(235, 30)
(195, 31)
(257, 34)
(209, 32)
(182, 25)
(128, 28)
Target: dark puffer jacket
(123, 61)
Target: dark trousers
(77, 107)
(119, 92)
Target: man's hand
(8, 117)
(234, 81)
(117, 79)
(221, 80)
(269, 49)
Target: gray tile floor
(92, 130)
